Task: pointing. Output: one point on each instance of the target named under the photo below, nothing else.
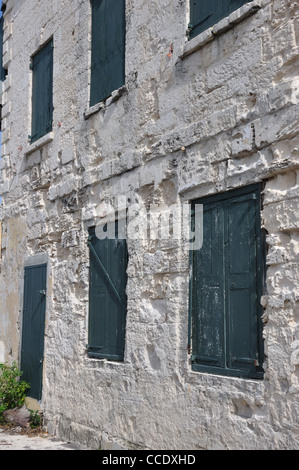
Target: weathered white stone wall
(216, 113)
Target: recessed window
(107, 296)
(42, 92)
(3, 72)
(226, 287)
(107, 48)
(206, 13)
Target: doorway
(33, 328)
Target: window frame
(260, 271)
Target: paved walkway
(24, 442)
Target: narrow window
(226, 286)
(3, 72)
(107, 297)
(42, 91)
(206, 13)
(107, 48)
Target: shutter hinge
(30, 65)
(188, 31)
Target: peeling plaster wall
(214, 114)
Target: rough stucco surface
(217, 113)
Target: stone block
(242, 140)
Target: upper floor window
(206, 13)
(2, 70)
(107, 48)
(42, 91)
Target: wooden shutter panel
(241, 276)
(108, 48)
(107, 297)
(208, 299)
(42, 92)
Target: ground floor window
(107, 296)
(226, 285)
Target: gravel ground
(17, 439)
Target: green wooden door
(33, 328)
(107, 297)
(208, 295)
(226, 286)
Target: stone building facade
(199, 115)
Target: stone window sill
(39, 143)
(223, 25)
(115, 95)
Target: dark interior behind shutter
(108, 48)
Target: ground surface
(31, 439)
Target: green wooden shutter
(107, 297)
(241, 282)
(42, 91)
(226, 286)
(2, 70)
(107, 48)
(206, 13)
(208, 296)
